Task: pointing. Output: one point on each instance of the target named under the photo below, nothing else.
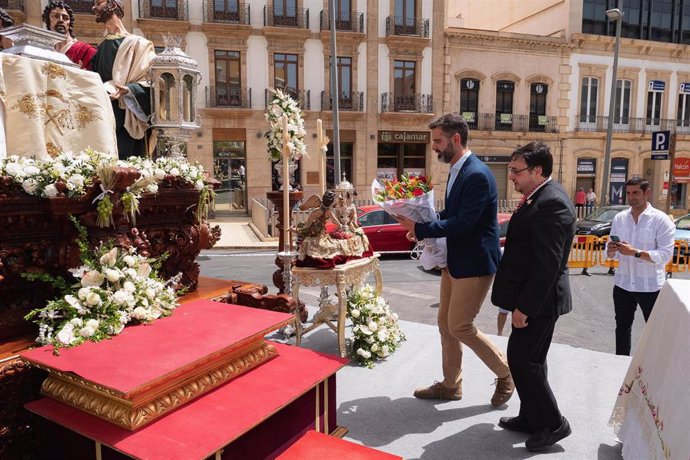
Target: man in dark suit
(532, 282)
(470, 226)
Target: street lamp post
(614, 14)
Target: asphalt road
(413, 294)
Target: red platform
(143, 356)
(252, 416)
(318, 446)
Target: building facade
(567, 48)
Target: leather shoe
(438, 391)
(546, 437)
(516, 424)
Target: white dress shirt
(653, 234)
(455, 170)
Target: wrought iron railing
(631, 125)
(354, 101)
(164, 10)
(355, 23)
(231, 97)
(542, 123)
(405, 25)
(289, 17)
(79, 6)
(422, 103)
(303, 98)
(213, 13)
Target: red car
(386, 235)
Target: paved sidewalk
(237, 233)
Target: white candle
(286, 186)
(322, 161)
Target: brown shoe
(438, 391)
(504, 390)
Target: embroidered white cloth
(48, 108)
(650, 414)
(653, 233)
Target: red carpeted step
(318, 446)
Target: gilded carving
(115, 408)
(53, 71)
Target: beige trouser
(461, 299)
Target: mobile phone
(614, 238)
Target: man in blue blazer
(470, 226)
(532, 282)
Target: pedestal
(353, 273)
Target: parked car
(387, 236)
(682, 233)
(598, 222)
(683, 228)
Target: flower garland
(115, 287)
(281, 104)
(72, 175)
(376, 333)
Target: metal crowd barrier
(588, 251)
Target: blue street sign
(657, 85)
(685, 88)
(661, 140)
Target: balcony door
(164, 9)
(285, 13)
(344, 82)
(405, 17)
(228, 85)
(226, 10)
(343, 14)
(588, 100)
(621, 112)
(469, 101)
(504, 105)
(537, 106)
(404, 86)
(683, 114)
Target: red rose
(418, 192)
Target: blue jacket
(469, 222)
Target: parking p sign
(660, 144)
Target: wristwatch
(638, 254)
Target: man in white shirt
(644, 247)
(591, 200)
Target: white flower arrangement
(375, 329)
(72, 175)
(281, 104)
(115, 287)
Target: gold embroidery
(53, 71)
(63, 113)
(53, 150)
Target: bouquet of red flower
(412, 197)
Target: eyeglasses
(515, 172)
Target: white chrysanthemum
(50, 191)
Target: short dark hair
(535, 154)
(643, 183)
(450, 124)
(6, 19)
(52, 4)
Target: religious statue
(123, 61)
(319, 247)
(58, 17)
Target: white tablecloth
(651, 413)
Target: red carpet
(146, 354)
(318, 446)
(200, 428)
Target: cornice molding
(631, 47)
(464, 37)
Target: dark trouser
(624, 304)
(527, 349)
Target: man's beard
(60, 28)
(446, 155)
(104, 15)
